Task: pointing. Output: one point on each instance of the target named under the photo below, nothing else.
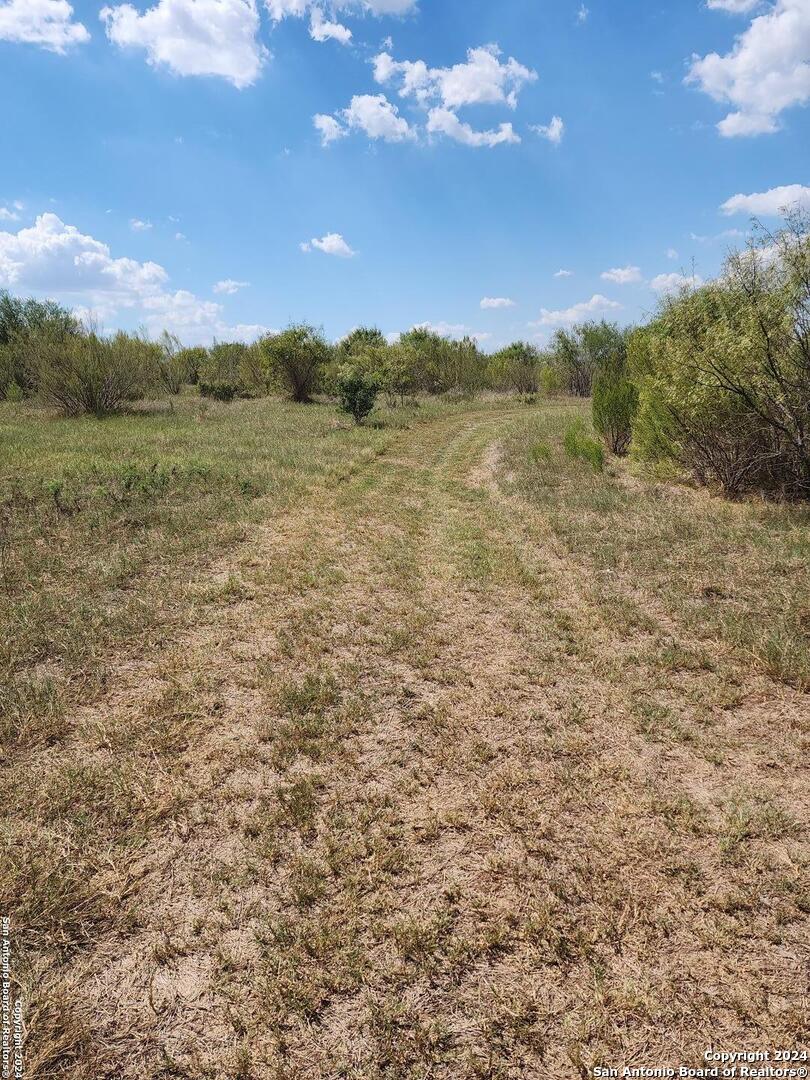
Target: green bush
(579, 445)
(14, 392)
(19, 319)
(615, 404)
(171, 364)
(724, 372)
(580, 354)
(357, 392)
(297, 359)
(517, 368)
(220, 374)
(88, 373)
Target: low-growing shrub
(220, 374)
(88, 373)
(579, 445)
(296, 358)
(357, 392)
(615, 403)
(14, 392)
(218, 391)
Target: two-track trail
(405, 824)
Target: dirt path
(414, 828)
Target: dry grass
(442, 772)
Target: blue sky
(211, 166)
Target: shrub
(297, 358)
(517, 367)
(14, 392)
(724, 372)
(171, 363)
(88, 373)
(615, 403)
(192, 360)
(357, 392)
(580, 354)
(549, 379)
(220, 374)
(578, 444)
(19, 319)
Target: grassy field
(418, 750)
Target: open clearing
(443, 758)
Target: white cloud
(377, 117)
(47, 23)
(482, 80)
(139, 226)
(329, 127)
(7, 214)
(281, 9)
(452, 330)
(321, 30)
(766, 72)
(622, 275)
(672, 253)
(444, 122)
(564, 273)
(180, 236)
(229, 286)
(666, 283)
(195, 321)
(492, 302)
(553, 131)
(734, 7)
(597, 304)
(582, 14)
(331, 244)
(53, 259)
(193, 37)
(768, 203)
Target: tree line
(716, 383)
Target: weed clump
(580, 446)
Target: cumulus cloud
(321, 29)
(482, 80)
(734, 7)
(582, 14)
(667, 283)
(766, 71)
(139, 226)
(452, 330)
(622, 275)
(51, 258)
(47, 23)
(331, 244)
(193, 37)
(768, 203)
(229, 286)
(372, 114)
(445, 122)
(329, 128)
(553, 130)
(597, 305)
(672, 253)
(491, 302)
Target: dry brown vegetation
(470, 763)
